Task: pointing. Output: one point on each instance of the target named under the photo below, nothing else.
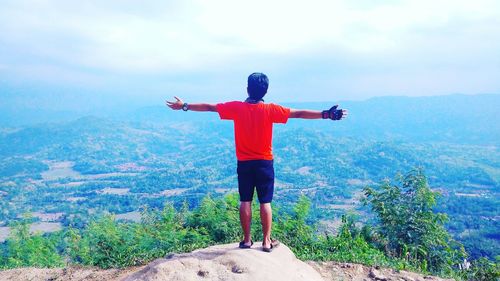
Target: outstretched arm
(176, 105)
(312, 114)
(305, 114)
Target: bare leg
(266, 218)
(246, 220)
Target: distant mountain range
(453, 118)
(471, 119)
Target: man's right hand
(175, 105)
(334, 113)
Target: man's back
(253, 127)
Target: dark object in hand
(333, 113)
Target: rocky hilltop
(223, 262)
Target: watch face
(185, 107)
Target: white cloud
(98, 38)
(194, 33)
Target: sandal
(274, 244)
(243, 246)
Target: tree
(408, 226)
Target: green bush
(482, 270)
(349, 245)
(24, 249)
(218, 218)
(107, 243)
(408, 226)
(293, 230)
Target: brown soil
(337, 271)
(73, 273)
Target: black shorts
(258, 174)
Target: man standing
(253, 128)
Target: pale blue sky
(204, 50)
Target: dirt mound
(228, 262)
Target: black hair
(257, 85)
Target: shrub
(409, 228)
(107, 243)
(293, 230)
(24, 249)
(217, 218)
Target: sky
(68, 53)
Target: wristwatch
(185, 106)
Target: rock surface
(223, 262)
(228, 262)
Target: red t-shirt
(253, 127)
